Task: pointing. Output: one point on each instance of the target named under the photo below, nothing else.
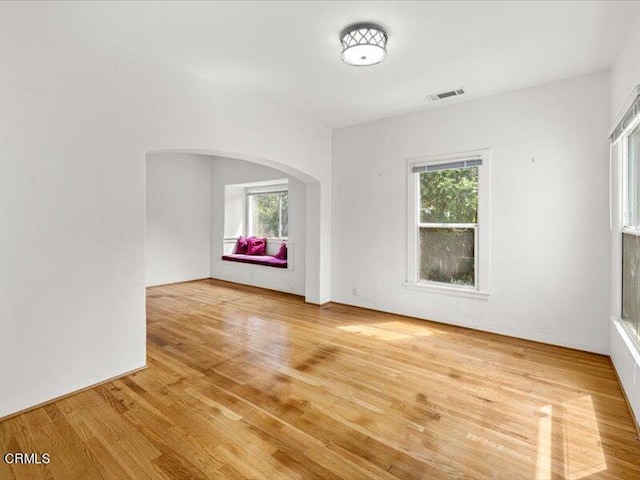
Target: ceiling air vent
(452, 93)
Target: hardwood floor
(251, 384)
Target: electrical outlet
(355, 291)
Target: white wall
(625, 75)
(229, 172)
(235, 211)
(76, 121)
(178, 218)
(549, 238)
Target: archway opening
(192, 220)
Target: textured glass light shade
(363, 45)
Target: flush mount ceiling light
(363, 44)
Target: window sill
(275, 239)
(631, 340)
(262, 260)
(631, 231)
(458, 292)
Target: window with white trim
(630, 142)
(268, 212)
(624, 217)
(448, 215)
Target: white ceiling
(287, 53)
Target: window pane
(631, 282)
(447, 255)
(633, 180)
(449, 196)
(285, 215)
(267, 211)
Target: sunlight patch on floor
(543, 460)
(569, 433)
(582, 445)
(390, 330)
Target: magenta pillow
(241, 245)
(282, 253)
(257, 246)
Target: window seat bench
(266, 260)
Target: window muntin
(632, 181)
(447, 223)
(268, 214)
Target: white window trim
(616, 222)
(481, 290)
(624, 181)
(267, 189)
(631, 231)
(620, 225)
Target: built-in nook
(197, 206)
(257, 210)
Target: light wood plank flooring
(245, 383)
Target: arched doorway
(233, 166)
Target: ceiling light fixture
(363, 44)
